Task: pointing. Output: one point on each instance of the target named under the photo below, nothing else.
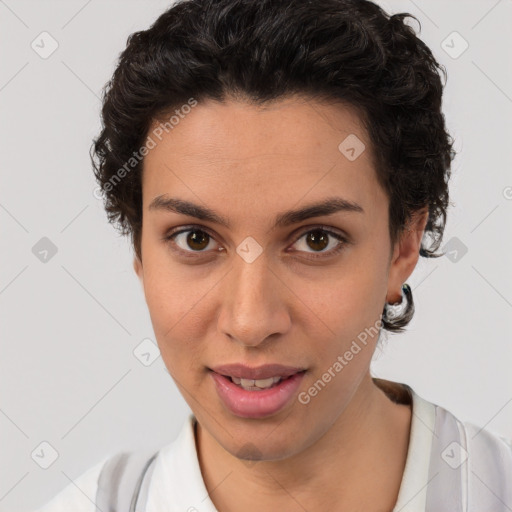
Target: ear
(406, 254)
(137, 266)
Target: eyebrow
(328, 206)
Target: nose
(254, 308)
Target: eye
(319, 239)
(189, 241)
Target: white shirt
(436, 466)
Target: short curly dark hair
(259, 51)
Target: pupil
(318, 237)
(201, 239)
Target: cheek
(342, 313)
(164, 303)
(175, 309)
(346, 298)
(170, 289)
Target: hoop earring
(395, 313)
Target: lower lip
(256, 404)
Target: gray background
(70, 325)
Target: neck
(367, 444)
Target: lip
(256, 404)
(258, 372)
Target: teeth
(254, 385)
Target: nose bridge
(252, 282)
(253, 308)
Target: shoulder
(80, 493)
(482, 448)
(121, 471)
(489, 467)
(470, 463)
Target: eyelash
(169, 238)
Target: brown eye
(189, 241)
(317, 239)
(197, 240)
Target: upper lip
(258, 372)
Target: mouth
(257, 384)
(256, 373)
(256, 398)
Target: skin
(346, 449)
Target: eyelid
(171, 234)
(340, 236)
(295, 236)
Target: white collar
(413, 489)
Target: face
(253, 291)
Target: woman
(280, 167)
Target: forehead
(294, 126)
(251, 154)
